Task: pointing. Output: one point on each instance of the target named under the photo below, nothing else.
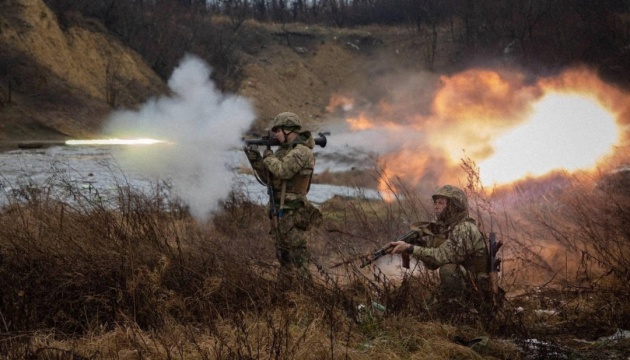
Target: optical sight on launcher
(269, 141)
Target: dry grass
(139, 278)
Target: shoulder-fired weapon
(269, 141)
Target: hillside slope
(301, 67)
(61, 80)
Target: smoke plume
(200, 126)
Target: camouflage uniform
(290, 169)
(456, 247)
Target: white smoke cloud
(201, 125)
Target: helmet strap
(286, 134)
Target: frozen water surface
(96, 172)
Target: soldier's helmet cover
(286, 120)
(456, 195)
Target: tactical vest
(292, 192)
(433, 235)
(300, 184)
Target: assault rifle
(274, 213)
(269, 141)
(412, 236)
(494, 264)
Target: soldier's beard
(444, 214)
(450, 215)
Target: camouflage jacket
(293, 164)
(465, 245)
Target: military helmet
(454, 194)
(286, 120)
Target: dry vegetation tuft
(136, 277)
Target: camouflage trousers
(291, 241)
(460, 291)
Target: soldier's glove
(267, 152)
(252, 153)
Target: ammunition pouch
(436, 241)
(477, 265)
(299, 184)
(307, 216)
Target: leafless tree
(8, 79)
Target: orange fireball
(512, 126)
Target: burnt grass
(93, 279)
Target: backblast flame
(567, 132)
(114, 142)
(510, 125)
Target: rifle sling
(283, 194)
